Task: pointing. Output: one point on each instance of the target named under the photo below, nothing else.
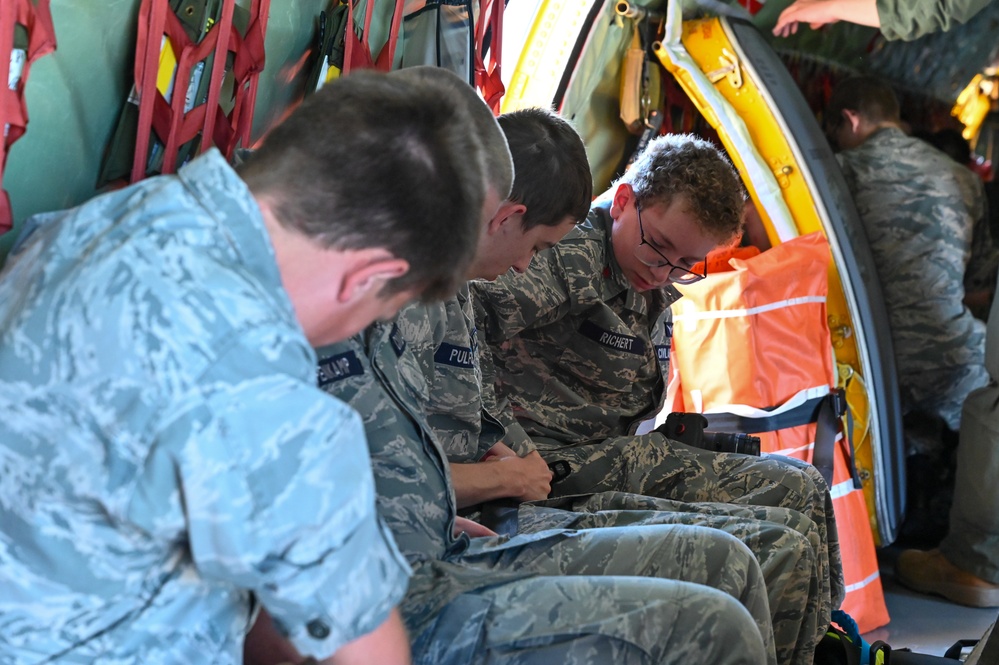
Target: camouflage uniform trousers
(638, 595)
(785, 542)
(654, 466)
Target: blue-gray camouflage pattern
(787, 544)
(506, 599)
(165, 454)
(919, 228)
(443, 340)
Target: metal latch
(730, 69)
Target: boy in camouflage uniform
(169, 464)
(919, 225)
(580, 345)
(551, 191)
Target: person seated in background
(918, 226)
(551, 191)
(170, 464)
(601, 595)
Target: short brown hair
(498, 162)
(375, 161)
(551, 174)
(869, 96)
(683, 165)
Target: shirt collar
(224, 196)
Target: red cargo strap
(37, 22)
(487, 76)
(235, 128)
(357, 51)
(172, 125)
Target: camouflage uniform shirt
(919, 228)
(380, 378)
(443, 340)
(579, 354)
(165, 451)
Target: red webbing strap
(147, 58)
(387, 55)
(357, 51)
(168, 120)
(37, 22)
(487, 76)
(234, 129)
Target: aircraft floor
(925, 624)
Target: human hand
(498, 451)
(814, 12)
(264, 645)
(529, 476)
(817, 13)
(472, 529)
(387, 644)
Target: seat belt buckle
(837, 399)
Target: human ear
(366, 279)
(852, 118)
(508, 212)
(622, 195)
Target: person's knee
(695, 624)
(799, 477)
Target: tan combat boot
(931, 572)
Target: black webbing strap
(826, 427)
(825, 411)
(802, 414)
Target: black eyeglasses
(676, 273)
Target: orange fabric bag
(752, 339)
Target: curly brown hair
(683, 165)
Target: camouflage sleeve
(280, 499)
(516, 302)
(423, 325)
(514, 436)
(906, 19)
